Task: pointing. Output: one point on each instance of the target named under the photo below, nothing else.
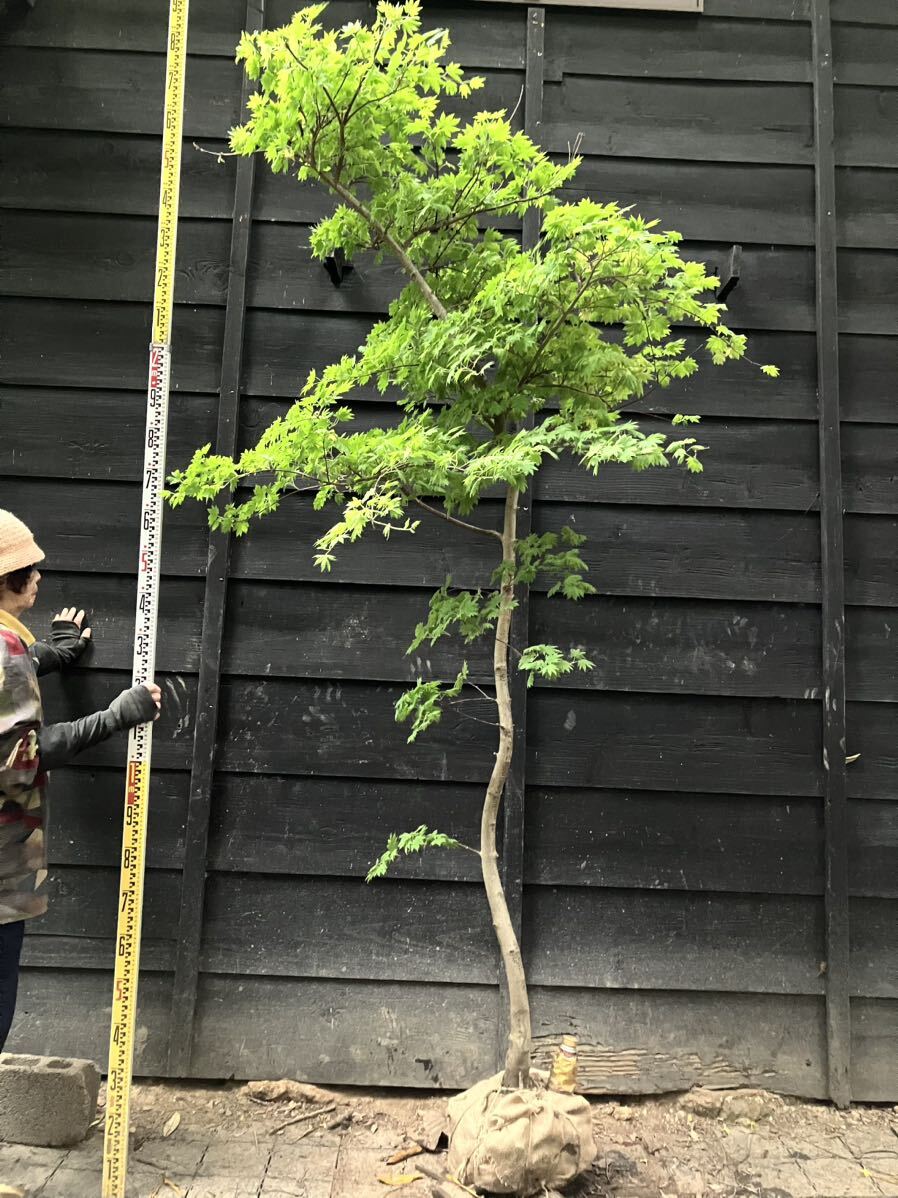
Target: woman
(29, 748)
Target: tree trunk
(517, 1056)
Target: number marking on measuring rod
(140, 740)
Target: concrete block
(47, 1101)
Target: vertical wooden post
(513, 805)
(838, 1016)
(193, 877)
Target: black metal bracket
(337, 266)
(730, 273)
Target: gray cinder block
(48, 1101)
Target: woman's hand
(71, 615)
(157, 697)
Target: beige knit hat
(18, 547)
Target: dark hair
(17, 580)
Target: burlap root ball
(519, 1141)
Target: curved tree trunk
(517, 1056)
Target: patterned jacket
(23, 783)
(29, 749)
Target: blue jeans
(11, 935)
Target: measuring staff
(130, 910)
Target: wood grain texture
(664, 841)
(86, 822)
(672, 47)
(416, 1034)
(650, 940)
(283, 825)
(342, 927)
(720, 201)
(106, 439)
(56, 88)
(874, 1038)
(66, 1012)
(756, 746)
(128, 25)
(708, 121)
(62, 170)
(633, 1042)
(105, 345)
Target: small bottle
(563, 1075)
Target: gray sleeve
(59, 743)
(45, 658)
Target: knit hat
(17, 546)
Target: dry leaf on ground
(172, 1123)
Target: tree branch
(486, 532)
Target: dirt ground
(223, 1141)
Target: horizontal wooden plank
(632, 1042)
(93, 527)
(106, 439)
(870, 467)
(675, 645)
(705, 121)
(862, 12)
(315, 631)
(639, 644)
(669, 47)
(114, 93)
(674, 743)
(748, 463)
(430, 1035)
(109, 601)
(312, 630)
(648, 940)
(342, 730)
(79, 692)
(867, 282)
(88, 807)
(343, 928)
(84, 902)
(871, 572)
(872, 646)
(105, 345)
(127, 25)
(111, 258)
(99, 257)
(715, 554)
(280, 348)
(698, 842)
(63, 171)
(865, 213)
(871, 733)
(66, 1012)
(865, 12)
(88, 952)
(283, 346)
(215, 29)
(649, 551)
(639, 551)
(874, 1044)
(720, 201)
(865, 122)
(873, 848)
(866, 368)
(338, 826)
(866, 56)
(874, 947)
(753, 464)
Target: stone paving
(700, 1145)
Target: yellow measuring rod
(140, 741)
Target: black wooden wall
(701, 899)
